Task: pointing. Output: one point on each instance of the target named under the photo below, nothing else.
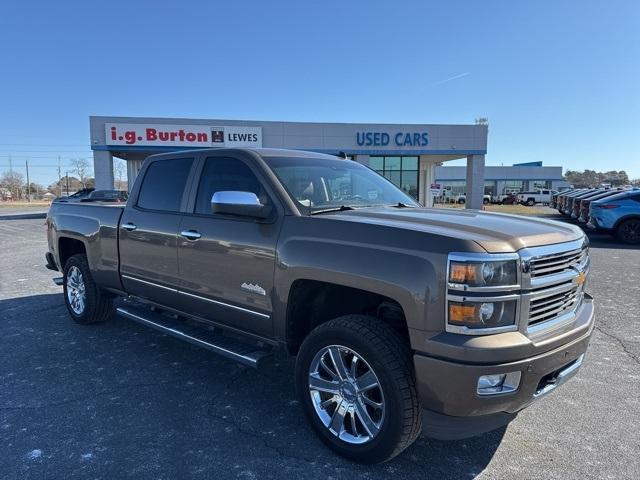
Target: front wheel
(85, 301)
(629, 231)
(531, 202)
(355, 380)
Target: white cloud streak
(446, 80)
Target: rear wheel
(629, 231)
(85, 301)
(531, 202)
(355, 380)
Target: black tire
(629, 231)
(485, 201)
(390, 358)
(98, 304)
(531, 202)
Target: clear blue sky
(558, 80)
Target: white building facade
(407, 154)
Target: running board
(197, 334)
(58, 281)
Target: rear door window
(164, 183)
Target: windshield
(318, 184)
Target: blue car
(618, 214)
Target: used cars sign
(143, 135)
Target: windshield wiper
(341, 208)
(401, 205)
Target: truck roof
(263, 152)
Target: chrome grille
(557, 263)
(553, 278)
(550, 306)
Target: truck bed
(95, 224)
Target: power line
(13, 150)
(45, 144)
(10, 165)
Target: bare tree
(14, 182)
(119, 171)
(82, 168)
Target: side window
(163, 184)
(221, 174)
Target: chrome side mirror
(245, 204)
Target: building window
(541, 184)
(512, 186)
(490, 187)
(402, 171)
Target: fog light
(498, 383)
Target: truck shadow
(150, 404)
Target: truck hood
(495, 232)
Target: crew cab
(539, 196)
(402, 319)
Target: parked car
(531, 198)
(583, 216)
(393, 311)
(562, 196)
(507, 193)
(75, 197)
(556, 195)
(568, 200)
(511, 199)
(116, 196)
(462, 198)
(577, 202)
(619, 215)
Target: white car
(462, 198)
(531, 198)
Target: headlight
(483, 274)
(482, 314)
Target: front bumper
(450, 387)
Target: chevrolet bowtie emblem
(580, 278)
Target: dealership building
(407, 154)
(521, 177)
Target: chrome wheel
(346, 394)
(76, 291)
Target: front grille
(550, 306)
(555, 277)
(557, 263)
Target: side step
(58, 281)
(198, 334)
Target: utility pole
(26, 163)
(67, 182)
(59, 179)
(11, 176)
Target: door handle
(129, 227)
(190, 234)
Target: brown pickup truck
(403, 319)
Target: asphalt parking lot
(120, 401)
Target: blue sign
(399, 139)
